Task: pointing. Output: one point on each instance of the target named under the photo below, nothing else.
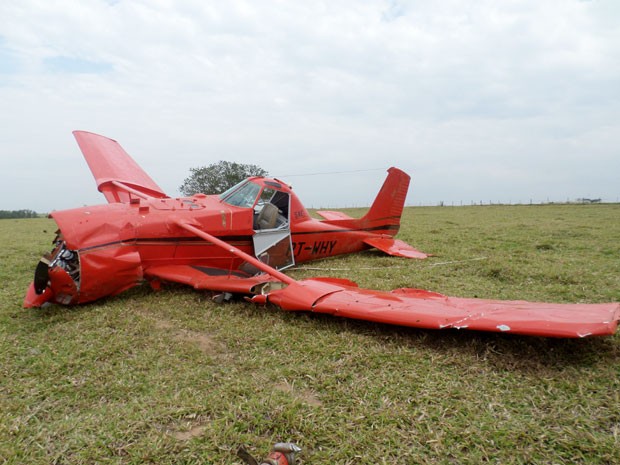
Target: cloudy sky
(477, 100)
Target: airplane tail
(389, 203)
(386, 210)
(383, 218)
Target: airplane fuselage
(116, 244)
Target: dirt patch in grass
(204, 341)
(186, 435)
(303, 395)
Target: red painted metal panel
(109, 162)
(108, 271)
(423, 309)
(198, 279)
(395, 247)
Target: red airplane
(239, 242)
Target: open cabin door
(272, 230)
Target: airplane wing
(118, 176)
(395, 247)
(423, 309)
(208, 278)
(331, 215)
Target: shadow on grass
(502, 351)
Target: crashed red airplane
(239, 241)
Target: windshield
(242, 195)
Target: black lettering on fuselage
(323, 247)
(298, 247)
(314, 248)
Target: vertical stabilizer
(390, 201)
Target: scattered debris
(283, 453)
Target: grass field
(173, 378)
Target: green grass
(173, 378)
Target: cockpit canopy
(256, 192)
(268, 198)
(243, 194)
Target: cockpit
(270, 204)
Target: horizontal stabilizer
(423, 309)
(331, 215)
(118, 176)
(395, 247)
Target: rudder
(390, 201)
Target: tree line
(4, 214)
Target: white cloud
(476, 99)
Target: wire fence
(548, 201)
(482, 203)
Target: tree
(218, 177)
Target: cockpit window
(232, 189)
(266, 195)
(242, 195)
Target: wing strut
(130, 190)
(235, 251)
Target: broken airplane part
(240, 242)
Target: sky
(503, 101)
